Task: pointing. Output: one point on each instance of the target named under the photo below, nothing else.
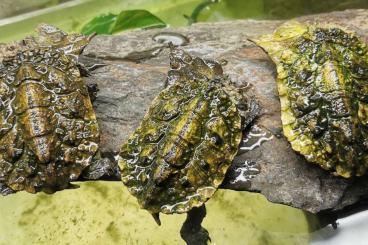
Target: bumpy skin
(50, 36)
(323, 87)
(179, 155)
(48, 130)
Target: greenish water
(10, 8)
(105, 213)
(72, 15)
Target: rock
(135, 71)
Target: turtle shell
(178, 156)
(48, 129)
(323, 87)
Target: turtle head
(51, 36)
(184, 66)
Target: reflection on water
(105, 213)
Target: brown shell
(322, 83)
(48, 130)
(178, 156)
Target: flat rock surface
(135, 72)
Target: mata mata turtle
(178, 156)
(323, 87)
(48, 129)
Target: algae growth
(105, 213)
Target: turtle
(322, 79)
(49, 134)
(178, 156)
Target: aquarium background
(21, 16)
(104, 212)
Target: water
(73, 14)
(104, 212)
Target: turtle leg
(86, 65)
(102, 168)
(156, 217)
(5, 190)
(248, 116)
(85, 71)
(92, 91)
(192, 232)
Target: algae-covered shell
(48, 129)
(322, 78)
(178, 156)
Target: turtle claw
(92, 91)
(156, 217)
(5, 190)
(102, 169)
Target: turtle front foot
(102, 169)
(192, 232)
(5, 190)
(92, 91)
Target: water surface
(105, 213)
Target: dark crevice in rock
(136, 57)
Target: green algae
(105, 213)
(113, 231)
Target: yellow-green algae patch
(105, 213)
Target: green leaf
(102, 24)
(127, 19)
(130, 19)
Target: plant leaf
(130, 19)
(101, 24)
